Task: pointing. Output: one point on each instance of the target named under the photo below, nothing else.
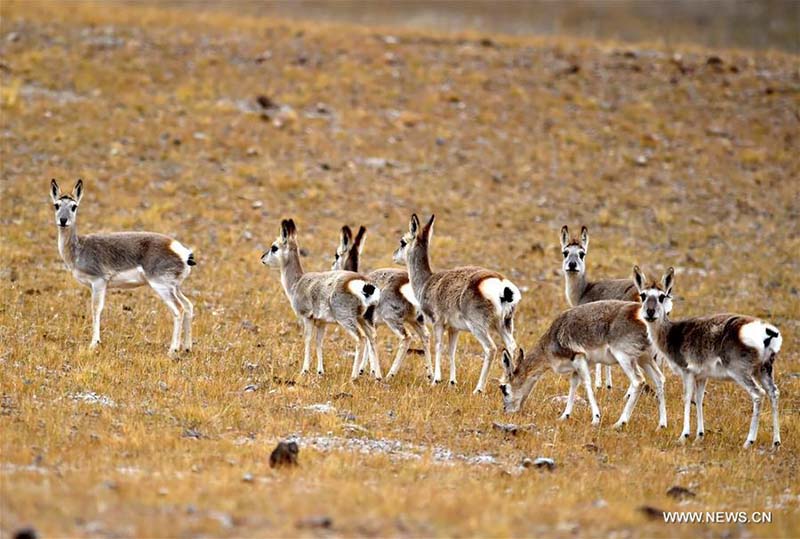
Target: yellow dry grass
(669, 159)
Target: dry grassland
(684, 157)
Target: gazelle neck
(575, 285)
(419, 267)
(68, 244)
(658, 332)
(291, 271)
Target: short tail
(368, 293)
(773, 340)
(190, 261)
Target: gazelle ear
(668, 280)
(427, 232)
(77, 191)
(347, 236)
(288, 230)
(638, 278)
(564, 237)
(55, 190)
(413, 226)
(584, 238)
(508, 365)
(358, 242)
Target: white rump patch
(493, 289)
(408, 292)
(753, 334)
(356, 287)
(178, 248)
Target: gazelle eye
(402, 243)
(565, 253)
(581, 254)
(274, 248)
(661, 298)
(336, 256)
(642, 296)
(74, 208)
(57, 206)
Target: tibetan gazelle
(580, 290)
(319, 298)
(727, 346)
(124, 260)
(470, 299)
(397, 306)
(611, 330)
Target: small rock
(266, 102)
(250, 388)
(714, 61)
(256, 204)
(641, 160)
(247, 235)
(320, 521)
(510, 428)
(652, 513)
(680, 493)
(284, 454)
(486, 42)
(544, 463)
(591, 448)
(26, 533)
(342, 395)
(390, 40)
(193, 434)
(247, 478)
(163, 491)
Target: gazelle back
(124, 260)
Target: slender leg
(452, 343)
(402, 348)
(688, 390)
(353, 329)
(489, 351)
(657, 377)
(772, 390)
(608, 377)
(598, 376)
(425, 337)
(320, 339)
(188, 315)
(167, 294)
(308, 335)
(574, 382)
(375, 365)
(364, 358)
(628, 365)
(700, 388)
(98, 302)
(438, 341)
(583, 371)
(757, 394)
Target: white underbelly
(711, 369)
(127, 279)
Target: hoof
(435, 382)
(662, 426)
(563, 417)
(619, 424)
(748, 444)
(360, 372)
(776, 444)
(452, 382)
(608, 386)
(320, 372)
(187, 350)
(477, 392)
(596, 420)
(683, 438)
(700, 434)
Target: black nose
(651, 313)
(572, 265)
(63, 221)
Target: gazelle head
(416, 236)
(278, 253)
(656, 298)
(574, 251)
(514, 385)
(66, 206)
(349, 249)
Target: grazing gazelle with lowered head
(330, 297)
(727, 346)
(397, 306)
(580, 290)
(468, 298)
(124, 260)
(609, 330)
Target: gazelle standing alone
(579, 290)
(610, 330)
(468, 298)
(727, 346)
(319, 298)
(124, 260)
(396, 307)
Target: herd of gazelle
(621, 322)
